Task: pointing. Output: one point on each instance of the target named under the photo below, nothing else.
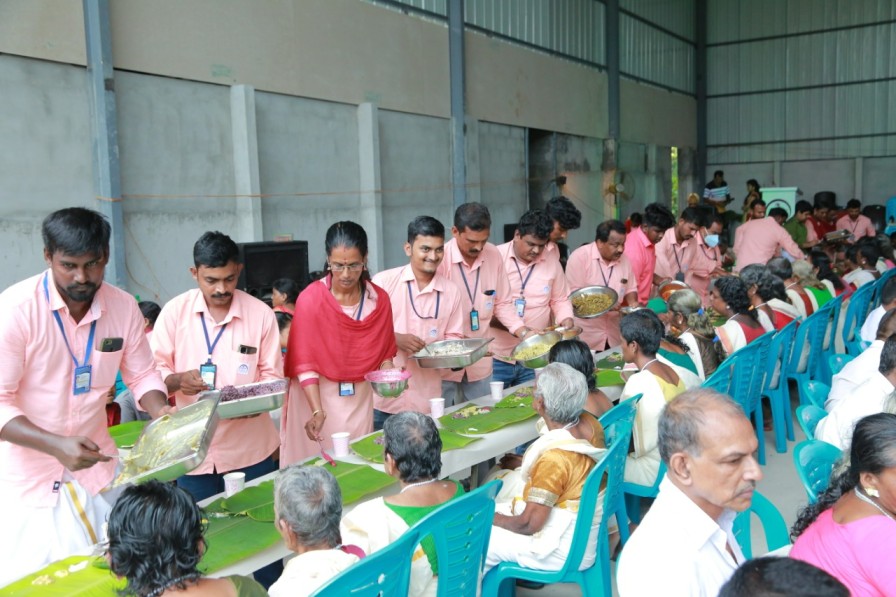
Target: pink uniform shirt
(641, 254)
(757, 241)
(545, 293)
(484, 287)
(418, 316)
(859, 228)
(673, 257)
(178, 344)
(706, 260)
(37, 375)
(587, 268)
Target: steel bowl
(547, 339)
(669, 286)
(593, 290)
(627, 310)
(567, 333)
(388, 383)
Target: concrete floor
(780, 485)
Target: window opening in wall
(674, 169)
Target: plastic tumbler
(234, 483)
(340, 443)
(497, 388)
(436, 407)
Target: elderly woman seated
(690, 323)
(307, 509)
(155, 542)
(851, 531)
(413, 455)
(657, 383)
(536, 530)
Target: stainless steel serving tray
(474, 349)
(177, 429)
(248, 406)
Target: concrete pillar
(474, 172)
(247, 186)
(371, 212)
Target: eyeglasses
(340, 267)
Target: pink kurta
(353, 414)
(545, 293)
(36, 381)
(178, 344)
(673, 257)
(641, 254)
(757, 241)
(706, 260)
(859, 228)
(413, 318)
(483, 286)
(587, 268)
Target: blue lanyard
(520, 272)
(472, 295)
(606, 281)
(211, 345)
(414, 307)
(62, 329)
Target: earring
(871, 491)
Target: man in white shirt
(685, 544)
(868, 332)
(873, 396)
(863, 367)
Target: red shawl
(325, 340)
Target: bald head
(685, 417)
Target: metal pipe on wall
(457, 92)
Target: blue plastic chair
(808, 416)
(879, 286)
(856, 312)
(776, 533)
(720, 380)
(385, 572)
(776, 388)
(808, 341)
(749, 364)
(617, 423)
(460, 530)
(815, 392)
(593, 581)
(836, 362)
(814, 460)
(828, 341)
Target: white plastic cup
(497, 388)
(436, 407)
(234, 483)
(340, 443)
(537, 372)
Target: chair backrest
(814, 460)
(838, 361)
(817, 392)
(721, 379)
(619, 420)
(830, 335)
(460, 530)
(856, 312)
(779, 351)
(879, 286)
(809, 341)
(808, 416)
(748, 365)
(776, 534)
(382, 573)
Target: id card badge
(208, 372)
(474, 320)
(680, 276)
(82, 380)
(520, 305)
(346, 388)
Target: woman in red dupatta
(341, 330)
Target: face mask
(711, 240)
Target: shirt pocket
(104, 368)
(245, 367)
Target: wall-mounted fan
(623, 186)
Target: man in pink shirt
(602, 263)
(759, 240)
(215, 336)
(426, 308)
(677, 252)
(64, 335)
(640, 249)
(708, 261)
(855, 223)
(476, 268)
(566, 217)
(539, 290)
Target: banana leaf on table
(521, 398)
(479, 420)
(371, 447)
(234, 538)
(93, 580)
